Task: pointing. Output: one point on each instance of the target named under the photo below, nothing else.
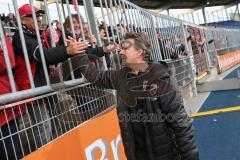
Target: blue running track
(218, 136)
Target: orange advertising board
(228, 60)
(98, 139)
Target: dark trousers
(10, 143)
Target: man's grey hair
(142, 41)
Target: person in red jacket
(38, 112)
(9, 142)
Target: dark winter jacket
(52, 56)
(148, 139)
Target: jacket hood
(152, 83)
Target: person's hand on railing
(111, 48)
(92, 39)
(75, 47)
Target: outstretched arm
(106, 79)
(82, 63)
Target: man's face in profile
(129, 53)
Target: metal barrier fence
(220, 41)
(182, 70)
(44, 118)
(167, 36)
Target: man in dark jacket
(153, 121)
(52, 56)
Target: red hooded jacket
(5, 87)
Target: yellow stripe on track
(217, 111)
(202, 76)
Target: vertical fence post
(92, 23)
(204, 16)
(23, 43)
(193, 17)
(92, 19)
(7, 60)
(191, 61)
(45, 69)
(206, 51)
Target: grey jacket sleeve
(181, 125)
(96, 51)
(106, 79)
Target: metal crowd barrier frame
(220, 41)
(165, 33)
(44, 118)
(182, 71)
(130, 16)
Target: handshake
(75, 47)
